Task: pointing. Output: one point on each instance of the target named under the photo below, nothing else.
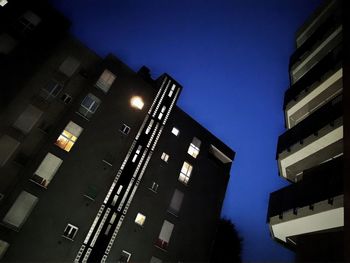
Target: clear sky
(232, 59)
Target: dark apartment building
(308, 215)
(97, 163)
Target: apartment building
(308, 215)
(97, 163)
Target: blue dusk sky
(232, 59)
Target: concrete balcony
(314, 204)
(319, 50)
(317, 95)
(314, 22)
(311, 142)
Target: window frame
(72, 227)
(185, 173)
(104, 82)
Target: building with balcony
(97, 163)
(309, 213)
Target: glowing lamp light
(137, 102)
(3, 2)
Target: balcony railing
(324, 30)
(329, 63)
(314, 122)
(319, 183)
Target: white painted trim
(313, 147)
(317, 222)
(313, 94)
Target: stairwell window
(164, 235)
(137, 153)
(195, 145)
(89, 105)
(70, 231)
(69, 136)
(161, 113)
(105, 81)
(172, 90)
(185, 173)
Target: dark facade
(309, 214)
(97, 162)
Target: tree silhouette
(228, 244)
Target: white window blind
(29, 117)
(48, 168)
(8, 146)
(166, 231)
(69, 66)
(21, 209)
(105, 81)
(176, 202)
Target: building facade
(97, 163)
(308, 215)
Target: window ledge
(152, 190)
(163, 249)
(106, 162)
(81, 115)
(67, 238)
(172, 213)
(31, 180)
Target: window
(69, 136)
(161, 113)
(137, 102)
(149, 127)
(28, 21)
(2, 3)
(193, 150)
(20, 210)
(185, 173)
(165, 157)
(176, 202)
(111, 222)
(171, 90)
(69, 66)
(154, 187)
(66, 98)
(29, 117)
(140, 219)
(155, 260)
(70, 231)
(7, 43)
(175, 131)
(165, 234)
(8, 146)
(125, 129)
(51, 90)
(137, 153)
(3, 246)
(105, 81)
(89, 105)
(46, 170)
(124, 257)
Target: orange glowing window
(69, 136)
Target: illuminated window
(70, 231)
(137, 153)
(125, 129)
(175, 131)
(185, 173)
(28, 21)
(51, 90)
(69, 66)
(161, 113)
(171, 90)
(149, 127)
(165, 157)
(193, 150)
(46, 170)
(3, 3)
(137, 102)
(69, 136)
(164, 235)
(105, 81)
(176, 202)
(124, 257)
(140, 219)
(89, 105)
